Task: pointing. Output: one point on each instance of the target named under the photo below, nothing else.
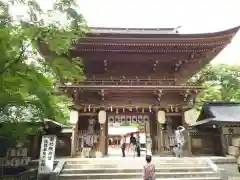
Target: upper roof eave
(154, 32)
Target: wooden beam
(88, 114)
(133, 87)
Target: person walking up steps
(148, 172)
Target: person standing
(148, 144)
(123, 145)
(179, 138)
(133, 144)
(138, 146)
(148, 172)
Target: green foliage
(27, 91)
(221, 82)
(138, 125)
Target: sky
(193, 16)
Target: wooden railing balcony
(130, 82)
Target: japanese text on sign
(47, 153)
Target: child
(149, 169)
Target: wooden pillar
(102, 139)
(188, 146)
(224, 143)
(189, 140)
(160, 139)
(35, 146)
(153, 130)
(160, 118)
(74, 116)
(74, 141)
(106, 138)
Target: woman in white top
(179, 138)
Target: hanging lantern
(146, 118)
(123, 119)
(191, 116)
(111, 119)
(117, 119)
(102, 116)
(140, 119)
(161, 118)
(128, 119)
(134, 119)
(73, 117)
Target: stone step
(191, 178)
(133, 170)
(135, 160)
(125, 165)
(178, 175)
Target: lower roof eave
(213, 121)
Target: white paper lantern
(129, 119)
(73, 117)
(123, 119)
(161, 118)
(102, 116)
(134, 119)
(117, 119)
(111, 119)
(140, 119)
(191, 116)
(146, 118)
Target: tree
(221, 82)
(27, 90)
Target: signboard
(231, 130)
(47, 154)
(121, 119)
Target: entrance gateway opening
(142, 124)
(125, 122)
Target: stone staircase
(130, 168)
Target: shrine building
(138, 75)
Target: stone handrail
(220, 171)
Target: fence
(27, 175)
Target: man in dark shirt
(133, 143)
(138, 148)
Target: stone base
(236, 142)
(98, 154)
(234, 151)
